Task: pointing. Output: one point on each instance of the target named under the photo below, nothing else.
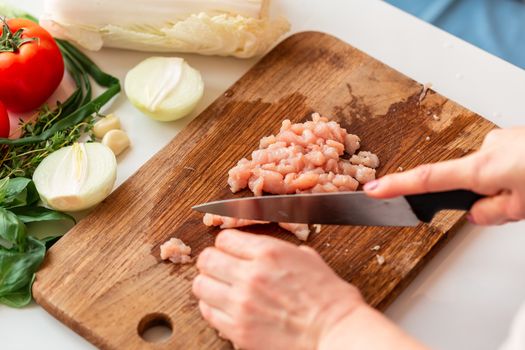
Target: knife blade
(342, 208)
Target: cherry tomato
(31, 65)
(4, 121)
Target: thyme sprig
(22, 160)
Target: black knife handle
(425, 206)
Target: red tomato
(30, 70)
(4, 122)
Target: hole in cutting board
(155, 328)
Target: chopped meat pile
(176, 251)
(301, 158)
(305, 158)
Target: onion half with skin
(76, 177)
(164, 88)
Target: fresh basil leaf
(38, 214)
(19, 298)
(12, 229)
(49, 241)
(15, 187)
(3, 186)
(19, 191)
(32, 196)
(17, 269)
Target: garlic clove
(101, 127)
(116, 140)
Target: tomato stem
(11, 42)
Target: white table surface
(466, 296)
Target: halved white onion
(76, 177)
(164, 88)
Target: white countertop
(466, 296)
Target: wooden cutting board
(105, 278)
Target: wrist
(338, 312)
(331, 335)
(366, 328)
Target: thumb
(490, 210)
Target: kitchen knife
(343, 208)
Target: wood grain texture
(105, 276)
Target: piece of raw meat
(366, 159)
(300, 230)
(227, 222)
(176, 251)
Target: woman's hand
(264, 293)
(496, 170)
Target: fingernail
(372, 185)
(470, 219)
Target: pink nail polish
(470, 219)
(372, 185)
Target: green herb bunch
(21, 254)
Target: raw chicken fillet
(176, 251)
(301, 158)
